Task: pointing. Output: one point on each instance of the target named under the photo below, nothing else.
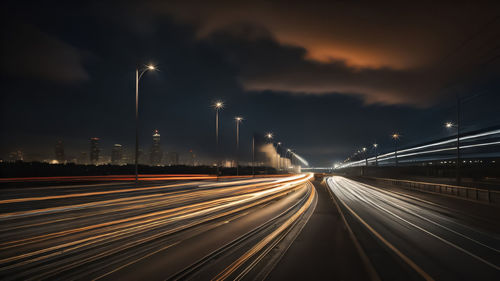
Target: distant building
(117, 154)
(156, 152)
(172, 158)
(192, 158)
(94, 151)
(59, 151)
(83, 158)
(15, 156)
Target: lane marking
(412, 264)
(259, 246)
(137, 260)
(432, 234)
(364, 257)
(260, 196)
(431, 221)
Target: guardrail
(469, 193)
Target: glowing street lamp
(449, 125)
(269, 137)
(396, 137)
(218, 105)
(375, 145)
(238, 120)
(366, 156)
(138, 76)
(278, 155)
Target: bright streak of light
(403, 152)
(300, 158)
(140, 210)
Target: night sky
(325, 78)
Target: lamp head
(218, 104)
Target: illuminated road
(198, 229)
(407, 238)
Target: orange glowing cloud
(390, 53)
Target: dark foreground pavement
(323, 250)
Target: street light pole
(218, 105)
(136, 125)
(366, 156)
(278, 144)
(269, 136)
(253, 156)
(376, 153)
(138, 75)
(458, 140)
(395, 137)
(238, 121)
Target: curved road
(407, 238)
(195, 229)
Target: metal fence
(469, 193)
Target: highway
(198, 228)
(403, 237)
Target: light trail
(403, 153)
(78, 229)
(300, 158)
(419, 232)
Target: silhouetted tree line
(39, 169)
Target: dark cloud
(323, 108)
(267, 65)
(390, 53)
(28, 51)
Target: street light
(449, 125)
(396, 137)
(218, 105)
(278, 155)
(366, 157)
(138, 76)
(238, 120)
(375, 145)
(253, 156)
(269, 137)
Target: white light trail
(401, 153)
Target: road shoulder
(323, 250)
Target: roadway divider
(468, 193)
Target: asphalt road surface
(323, 250)
(407, 238)
(198, 229)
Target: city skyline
(250, 140)
(198, 64)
